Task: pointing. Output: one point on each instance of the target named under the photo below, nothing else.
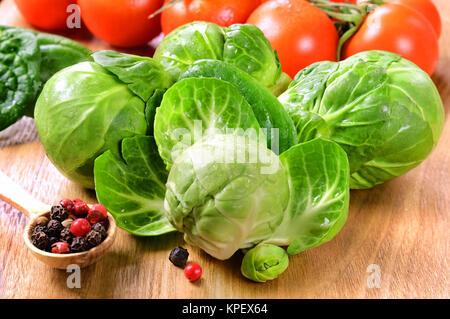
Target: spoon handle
(17, 197)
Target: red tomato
(49, 15)
(301, 33)
(427, 9)
(122, 23)
(399, 29)
(221, 12)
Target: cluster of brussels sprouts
(196, 140)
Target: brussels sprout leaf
(318, 173)
(133, 188)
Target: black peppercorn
(99, 228)
(94, 238)
(54, 228)
(104, 223)
(39, 229)
(78, 244)
(66, 235)
(178, 256)
(59, 213)
(40, 240)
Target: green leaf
(267, 109)
(142, 74)
(20, 82)
(189, 43)
(195, 107)
(318, 173)
(58, 53)
(247, 48)
(132, 188)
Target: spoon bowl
(20, 199)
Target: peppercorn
(39, 229)
(66, 235)
(67, 222)
(98, 227)
(104, 223)
(94, 238)
(59, 213)
(52, 240)
(42, 221)
(78, 244)
(54, 228)
(178, 256)
(40, 240)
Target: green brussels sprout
(383, 110)
(195, 107)
(264, 262)
(226, 192)
(88, 108)
(242, 45)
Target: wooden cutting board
(401, 227)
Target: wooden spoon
(20, 199)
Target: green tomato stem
(164, 7)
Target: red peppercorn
(60, 248)
(81, 209)
(97, 213)
(80, 227)
(193, 272)
(67, 204)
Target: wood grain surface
(401, 226)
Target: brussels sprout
(267, 109)
(264, 262)
(226, 192)
(383, 110)
(88, 108)
(132, 187)
(241, 45)
(195, 107)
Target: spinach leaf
(20, 60)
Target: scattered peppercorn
(94, 238)
(179, 256)
(193, 272)
(66, 235)
(40, 240)
(59, 213)
(78, 244)
(54, 228)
